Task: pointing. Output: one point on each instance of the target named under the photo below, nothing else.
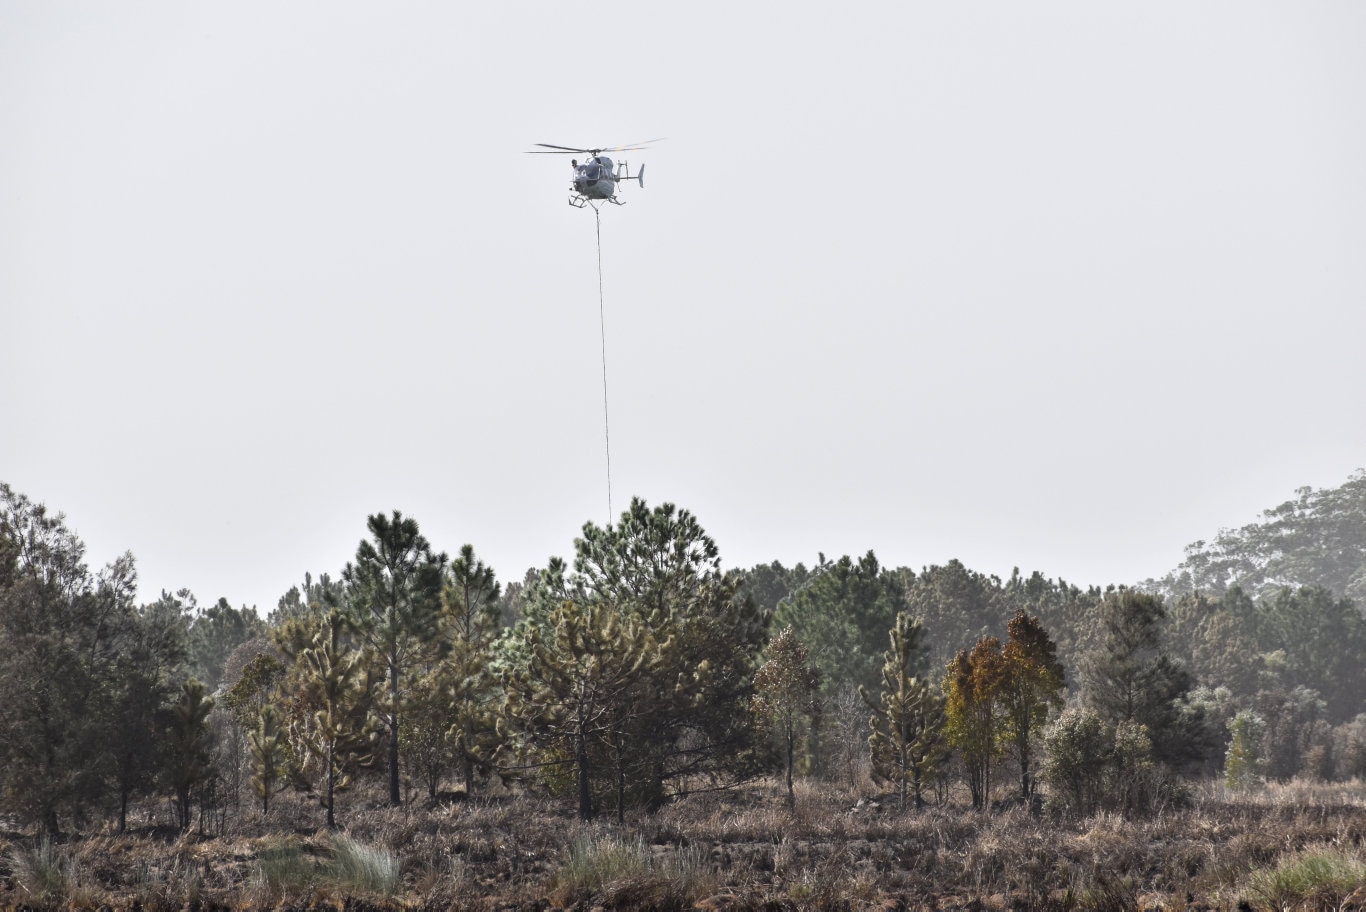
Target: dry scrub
(1292, 847)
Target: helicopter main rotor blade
(632, 146)
(561, 150)
(557, 150)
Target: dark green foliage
(451, 720)
(577, 698)
(214, 633)
(1215, 638)
(144, 681)
(843, 610)
(1130, 676)
(768, 584)
(188, 746)
(471, 621)
(394, 590)
(659, 570)
(1324, 643)
(957, 606)
(1290, 721)
(65, 632)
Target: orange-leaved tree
(1032, 682)
(971, 690)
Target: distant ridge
(1316, 539)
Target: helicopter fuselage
(595, 178)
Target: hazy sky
(1059, 285)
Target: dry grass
(1299, 846)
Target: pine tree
(907, 738)
(1130, 676)
(658, 570)
(394, 588)
(268, 754)
(330, 732)
(470, 619)
(785, 694)
(188, 746)
(574, 701)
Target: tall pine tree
(907, 739)
(394, 589)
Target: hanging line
(602, 327)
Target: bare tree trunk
(395, 798)
(581, 762)
(791, 738)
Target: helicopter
(596, 177)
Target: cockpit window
(592, 171)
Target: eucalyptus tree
(394, 591)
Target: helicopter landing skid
(582, 202)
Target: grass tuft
(625, 873)
(286, 868)
(360, 868)
(593, 864)
(1317, 877)
(44, 872)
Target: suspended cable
(602, 327)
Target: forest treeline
(641, 670)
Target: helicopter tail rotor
(640, 177)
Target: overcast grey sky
(1062, 285)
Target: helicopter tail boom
(624, 174)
